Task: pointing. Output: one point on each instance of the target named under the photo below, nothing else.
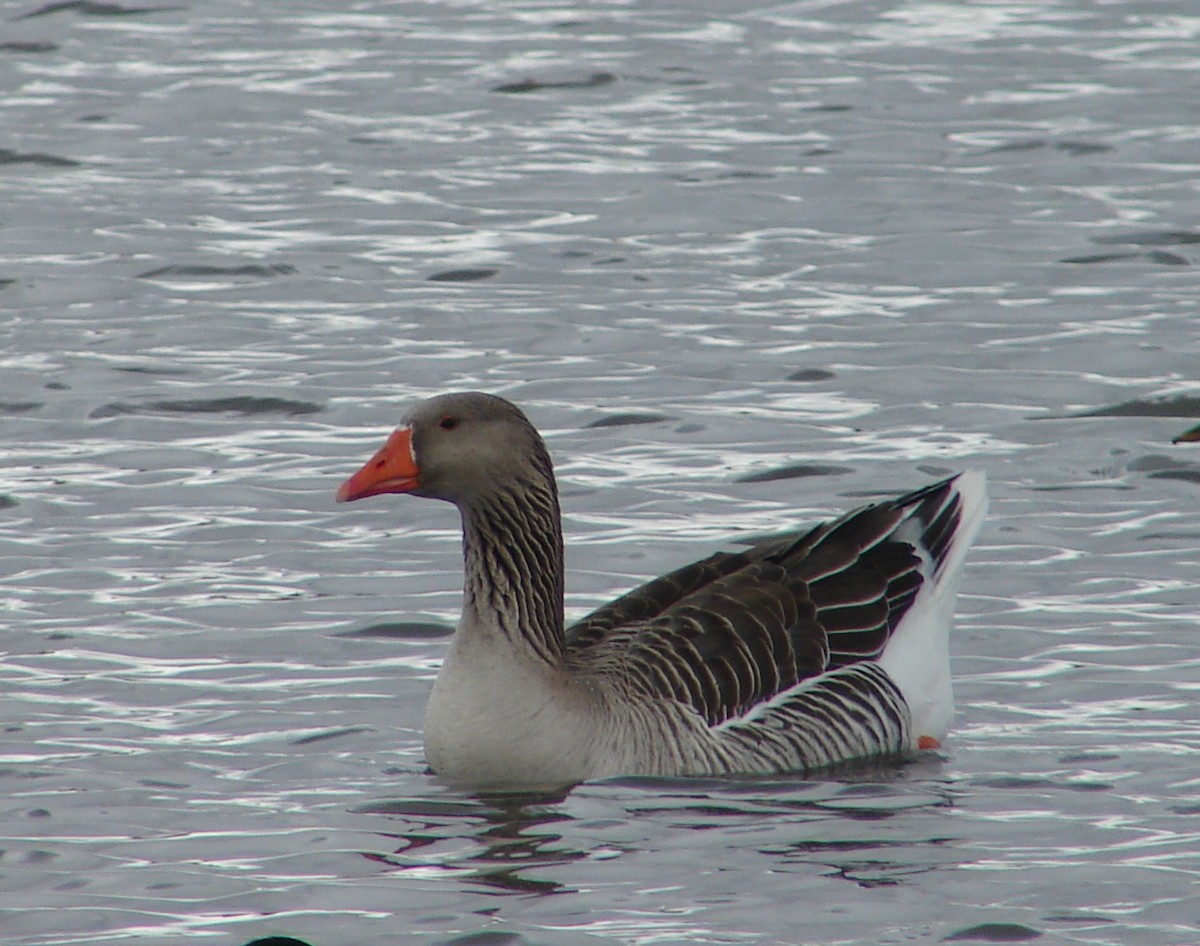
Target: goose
(823, 646)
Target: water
(744, 265)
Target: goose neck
(513, 551)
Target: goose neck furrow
(514, 572)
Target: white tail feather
(917, 657)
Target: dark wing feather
(726, 633)
(653, 598)
(723, 647)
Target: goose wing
(726, 633)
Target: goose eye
(449, 422)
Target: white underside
(498, 717)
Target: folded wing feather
(727, 633)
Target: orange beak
(391, 470)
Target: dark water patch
(794, 471)
(7, 502)
(12, 772)
(594, 81)
(19, 407)
(1088, 918)
(1188, 436)
(837, 845)
(739, 175)
(485, 938)
(1028, 781)
(145, 369)
(15, 47)
(1151, 238)
(744, 175)
(863, 813)
(1012, 781)
(462, 275)
(1161, 257)
(93, 117)
(423, 808)
(1180, 406)
(4, 283)
(201, 271)
(1098, 258)
(91, 8)
(330, 734)
(511, 883)
(996, 933)
(1167, 259)
(690, 428)
(1073, 148)
(243, 405)
(1156, 462)
(627, 420)
(8, 156)
(402, 630)
(368, 140)
(1078, 148)
(869, 874)
(811, 374)
(1076, 758)
(1187, 475)
(1087, 785)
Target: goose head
(464, 448)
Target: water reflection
(507, 834)
(514, 844)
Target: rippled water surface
(745, 265)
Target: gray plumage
(762, 660)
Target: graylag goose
(822, 646)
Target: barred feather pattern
(513, 571)
(853, 713)
(726, 633)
